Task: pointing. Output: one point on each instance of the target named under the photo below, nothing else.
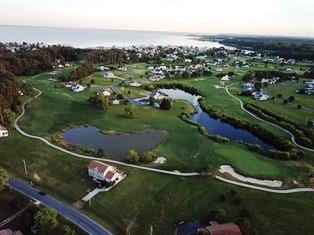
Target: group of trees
(99, 101)
(46, 222)
(146, 157)
(284, 47)
(9, 96)
(77, 74)
(4, 177)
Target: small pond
(215, 126)
(116, 146)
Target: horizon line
(162, 31)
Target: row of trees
(146, 157)
(303, 135)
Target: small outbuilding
(3, 132)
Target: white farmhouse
(108, 75)
(3, 132)
(101, 172)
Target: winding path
(293, 139)
(173, 173)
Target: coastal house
(135, 84)
(3, 132)
(108, 75)
(123, 69)
(260, 95)
(107, 92)
(157, 95)
(225, 78)
(248, 87)
(101, 172)
(78, 88)
(103, 68)
(220, 229)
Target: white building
(3, 132)
(108, 75)
(102, 172)
(225, 78)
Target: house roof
(224, 229)
(10, 232)
(109, 175)
(101, 167)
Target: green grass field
(196, 152)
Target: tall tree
(45, 221)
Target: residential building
(108, 75)
(220, 229)
(102, 172)
(3, 132)
(157, 95)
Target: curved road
(85, 223)
(174, 173)
(293, 140)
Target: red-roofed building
(103, 172)
(220, 229)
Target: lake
(116, 146)
(84, 38)
(215, 126)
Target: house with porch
(103, 173)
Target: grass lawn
(196, 152)
(147, 199)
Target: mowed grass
(185, 148)
(146, 199)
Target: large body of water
(83, 38)
(116, 146)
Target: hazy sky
(272, 17)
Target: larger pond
(215, 126)
(116, 146)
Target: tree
(9, 117)
(4, 177)
(129, 112)
(133, 156)
(299, 106)
(67, 230)
(218, 215)
(291, 99)
(148, 156)
(165, 104)
(45, 221)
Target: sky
(263, 17)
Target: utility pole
(25, 168)
(90, 202)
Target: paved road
(68, 212)
(293, 140)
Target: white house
(78, 88)
(108, 75)
(105, 92)
(261, 96)
(102, 172)
(157, 95)
(135, 84)
(225, 78)
(116, 102)
(103, 68)
(3, 132)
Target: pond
(215, 126)
(114, 145)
